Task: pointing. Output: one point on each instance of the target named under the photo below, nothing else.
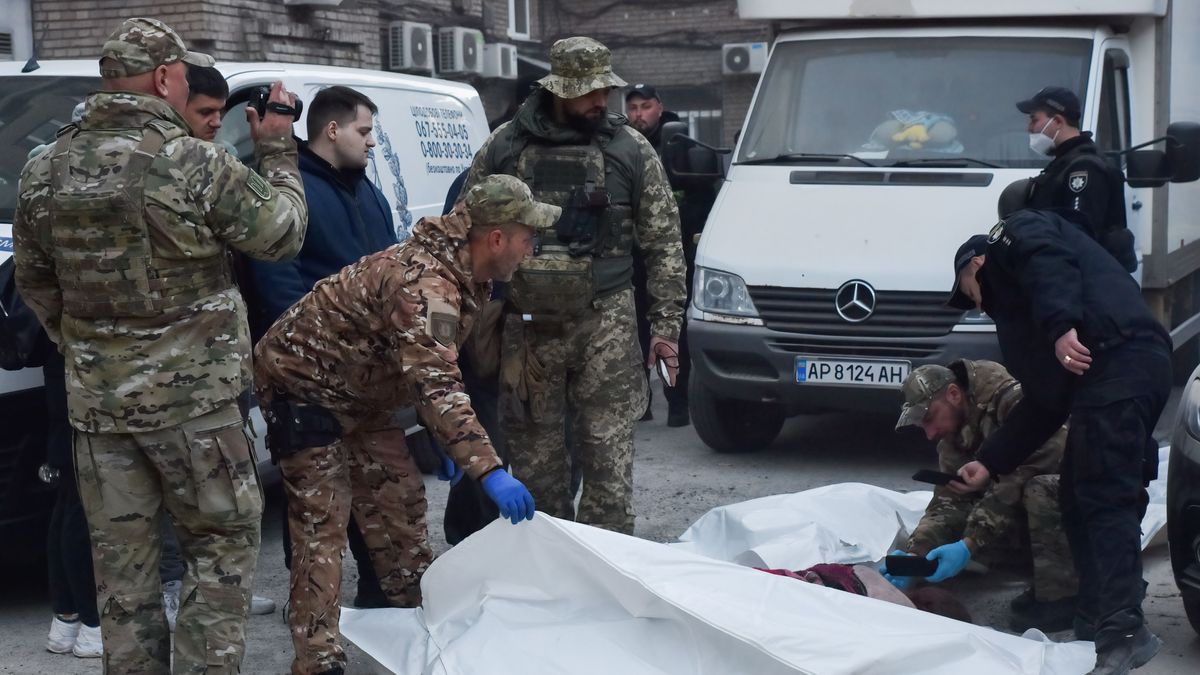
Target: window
(1112, 124)
(829, 98)
(518, 19)
(703, 125)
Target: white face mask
(1040, 142)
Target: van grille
(812, 311)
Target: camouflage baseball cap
(140, 45)
(578, 66)
(920, 388)
(501, 199)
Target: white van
(825, 263)
(427, 132)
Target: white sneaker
(171, 591)
(62, 635)
(88, 645)
(261, 605)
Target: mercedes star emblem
(855, 301)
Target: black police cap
(1058, 100)
(975, 246)
(646, 91)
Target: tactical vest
(103, 254)
(556, 281)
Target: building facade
(676, 45)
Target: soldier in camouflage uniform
(119, 238)
(1018, 516)
(570, 339)
(382, 334)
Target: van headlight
(722, 296)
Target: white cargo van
(826, 260)
(427, 132)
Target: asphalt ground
(677, 480)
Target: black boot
(1132, 651)
(1048, 617)
(677, 414)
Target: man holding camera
(570, 342)
(120, 241)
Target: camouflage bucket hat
(921, 387)
(578, 66)
(501, 199)
(140, 45)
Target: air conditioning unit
(500, 61)
(743, 58)
(460, 51)
(410, 46)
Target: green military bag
(553, 282)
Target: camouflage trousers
(586, 372)
(1054, 575)
(203, 473)
(371, 472)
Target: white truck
(825, 263)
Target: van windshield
(32, 110)
(907, 101)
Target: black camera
(260, 101)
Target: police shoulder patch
(441, 322)
(1077, 181)
(259, 186)
(997, 231)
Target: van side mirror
(687, 159)
(1179, 162)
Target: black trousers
(1111, 457)
(68, 544)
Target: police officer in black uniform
(1079, 178)
(1074, 330)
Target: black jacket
(1044, 275)
(1081, 179)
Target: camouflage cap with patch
(578, 66)
(140, 45)
(501, 199)
(920, 388)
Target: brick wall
(672, 44)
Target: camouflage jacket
(135, 374)
(629, 157)
(991, 395)
(385, 332)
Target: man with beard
(569, 340)
(695, 198)
(382, 333)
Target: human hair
(1051, 112)
(335, 104)
(480, 230)
(206, 81)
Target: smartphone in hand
(909, 566)
(934, 477)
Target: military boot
(1048, 617)
(1133, 651)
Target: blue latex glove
(952, 558)
(901, 583)
(447, 469)
(510, 495)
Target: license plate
(851, 372)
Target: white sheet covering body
(840, 523)
(548, 596)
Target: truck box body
(844, 244)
